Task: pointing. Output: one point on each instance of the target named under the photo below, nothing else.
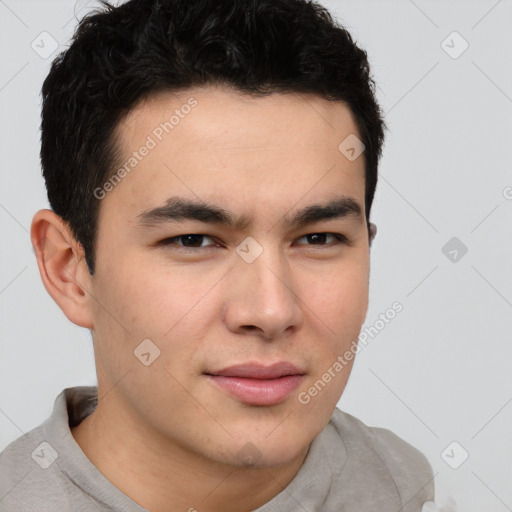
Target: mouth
(256, 384)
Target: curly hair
(121, 55)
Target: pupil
(316, 238)
(194, 239)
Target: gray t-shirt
(349, 468)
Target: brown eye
(187, 241)
(323, 238)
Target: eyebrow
(181, 209)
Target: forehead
(211, 113)
(215, 143)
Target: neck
(162, 476)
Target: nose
(262, 300)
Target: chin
(265, 450)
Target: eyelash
(341, 239)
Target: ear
(372, 231)
(62, 266)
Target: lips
(257, 384)
(259, 371)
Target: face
(246, 298)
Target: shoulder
(388, 454)
(26, 474)
(31, 477)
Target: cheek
(151, 300)
(341, 299)
(173, 309)
(339, 305)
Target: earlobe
(60, 260)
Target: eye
(188, 241)
(320, 238)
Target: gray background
(437, 373)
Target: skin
(163, 434)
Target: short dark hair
(122, 55)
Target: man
(211, 167)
